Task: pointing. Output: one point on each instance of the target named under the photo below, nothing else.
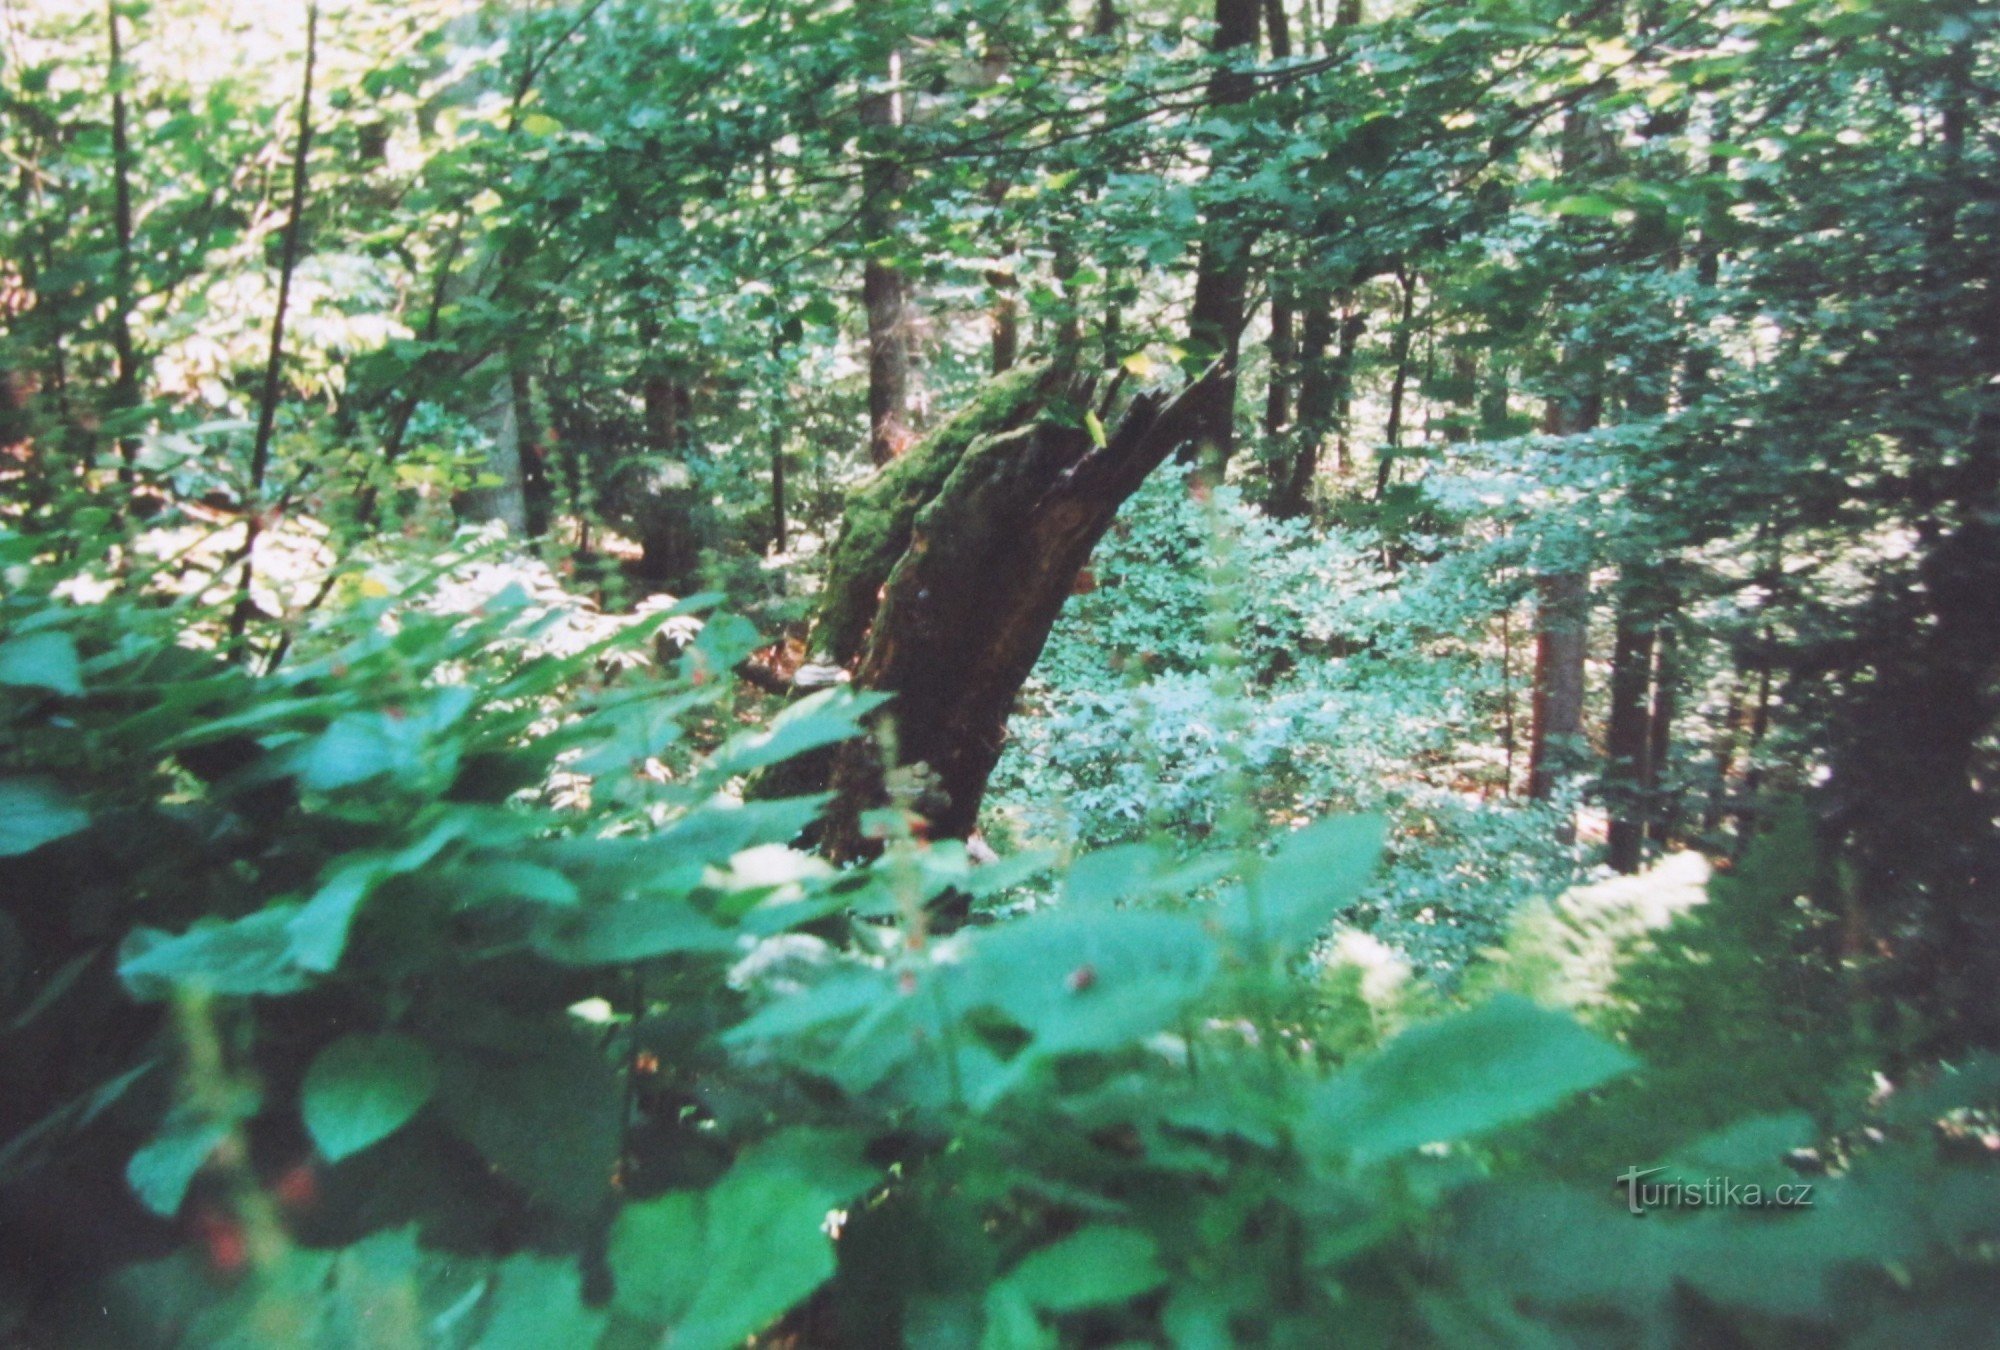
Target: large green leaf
(714, 1268)
(34, 812)
(1086, 980)
(362, 1089)
(1459, 1077)
(631, 930)
(249, 956)
(825, 718)
(545, 1111)
(319, 931)
(44, 660)
(1095, 1266)
(537, 1303)
(161, 1171)
(1296, 893)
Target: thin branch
(267, 407)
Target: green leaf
(1011, 1323)
(320, 930)
(826, 718)
(44, 660)
(1099, 880)
(544, 1110)
(1090, 1268)
(1095, 428)
(161, 1171)
(629, 930)
(537, 1302)
(1588, 205)
(1316, 872)
(1081, 981)
(716, 1268)
(252, 955)
(362, 1089)
(357, 747)
(34, 812)
(657, 1257)
(1460, 1077)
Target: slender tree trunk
(1326, 383)
(503, 496)
(125, 390)
(1561, 644)
(777, 450)
(1507, 737)
(1555, 723)
(537, 495)
(1663, 822)
(1283, 347)
(884, 288)
(1628, 738)
(274, 360)
(663, 497)
(1004, 313)
(1284, 355)
(1400, 358)
(1725, 751)
(1352, 325)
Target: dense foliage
(1440, 562)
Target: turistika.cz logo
(1708, 1193)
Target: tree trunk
(1283, 347)
(1215, 322)
(1325, 395)
(662, 490)
(948, 576)
(1663, 822)
(1562, 621)
(1555, 723)
(779, 529)
(497, 415)
(1628, 739)
(884, 289)
(537, 494)
(1400, 358)
(125, 387)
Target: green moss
(881, 512)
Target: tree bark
(1326, 383)
(664, 496)
(125, 387)
(1400, 359)
(1215, 322)
(1628, 739)
(1283, 346)
(1562, 621)
(884, 289)
(948, 576)
(537, 494)
(1663, 821)
(1555, 722)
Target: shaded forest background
(997, 674)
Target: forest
(1059, 673)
